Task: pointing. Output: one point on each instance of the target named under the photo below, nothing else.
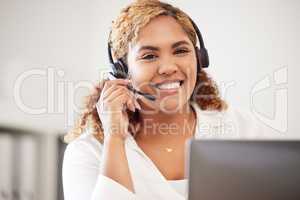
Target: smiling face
(163, 54)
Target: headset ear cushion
(204, 59)
(119, 69)
(123, 66)
(198, 56)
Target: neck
(163, 125)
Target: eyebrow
(152, 48)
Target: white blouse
(82, 161)
(180, 186)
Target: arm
(115, 164)
(85, 174)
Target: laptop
(243, 170)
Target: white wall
(246, 40)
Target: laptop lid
(235, 170)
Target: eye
(148, 57)
(182, 51)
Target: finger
(116, 91)
(130, 106)
(134, 101)
(127, 101)
(111, 85)
(137, 105)
(106, 97)
(113, 91)
(110, 91)
(121, 100)
(119, 81)
(131, 99)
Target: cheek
(189, 67)
(141, 75)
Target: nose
(167, 67)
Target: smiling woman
(167, 62)
(145, 35)
(119, 152)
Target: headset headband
(202, 55)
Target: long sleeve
(81, 177)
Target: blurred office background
(51, 52)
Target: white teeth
(172, 85)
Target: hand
(114, 99)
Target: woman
(138, 153)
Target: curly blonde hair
(125, 29)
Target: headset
(120, 69)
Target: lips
(158, 85)
(164, 90)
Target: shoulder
(234, 122)
(83, 148)
(81, 165)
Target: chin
(170, 105)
